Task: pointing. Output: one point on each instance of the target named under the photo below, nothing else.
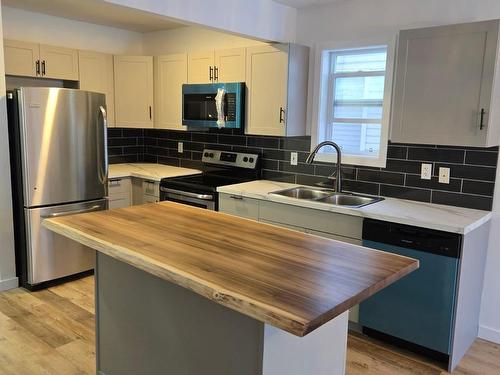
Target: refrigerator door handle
(96, 207)
(103, 164)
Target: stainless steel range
(221, 168)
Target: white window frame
(322, 86)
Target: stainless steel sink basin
(348, 200)
(303, 192)
(328, 196)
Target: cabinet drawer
(322, 221)
(239, 206)
(119, 185)
(151, 188)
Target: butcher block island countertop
(291, 280)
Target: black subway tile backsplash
(481, 157)
(472, 169)
(402, 192)
(436, 154)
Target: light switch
(294, 158)
(444, 175)
(426, 172)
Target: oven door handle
(205, 197)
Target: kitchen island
(181, 290)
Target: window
(353, 105)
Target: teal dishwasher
(417, 311)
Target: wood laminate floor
(52, 332)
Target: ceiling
(305, 3)
(97, 12)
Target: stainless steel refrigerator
(59, 167)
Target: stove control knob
(205, 154)
(211, 155)
(251, 160)
(245, 159)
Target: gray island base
(146, 325)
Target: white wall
(8, 277)
(41, 28)
(364, 19)
(192, 38)
(262, 19)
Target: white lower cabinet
(119, 193)
(124, 192)
(145, 191)
(239, 206)
(333, 225)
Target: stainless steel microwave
(215, 105)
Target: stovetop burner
(225, 168)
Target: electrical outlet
(180, 147)
(426, 172)
(294, 158)
(444, 175)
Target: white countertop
(427, 215)
(148, 171)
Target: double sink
(328, 196)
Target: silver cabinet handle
(205, 197)
(66, 213)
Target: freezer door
(51, 256)
(63, 145)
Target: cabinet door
(230, 65)
(266, 80)
(170, 72)
(444, 79)
(133, 91)
(59, 62)
(118, 201)
(239, 206)
(150, 199)
(96, 74)
(200, 67)
(21, 58)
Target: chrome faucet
(337, 173)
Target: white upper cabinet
(200, 67)
(96, 74)
(170, 73)
(133, 91)
(59, 62)
(230, 65)
(21, 58)
(40, 60)
(217, 66)
(276, 80)
(445, 84)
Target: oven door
(206, 201)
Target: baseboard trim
(9, 284)
(489, 334)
